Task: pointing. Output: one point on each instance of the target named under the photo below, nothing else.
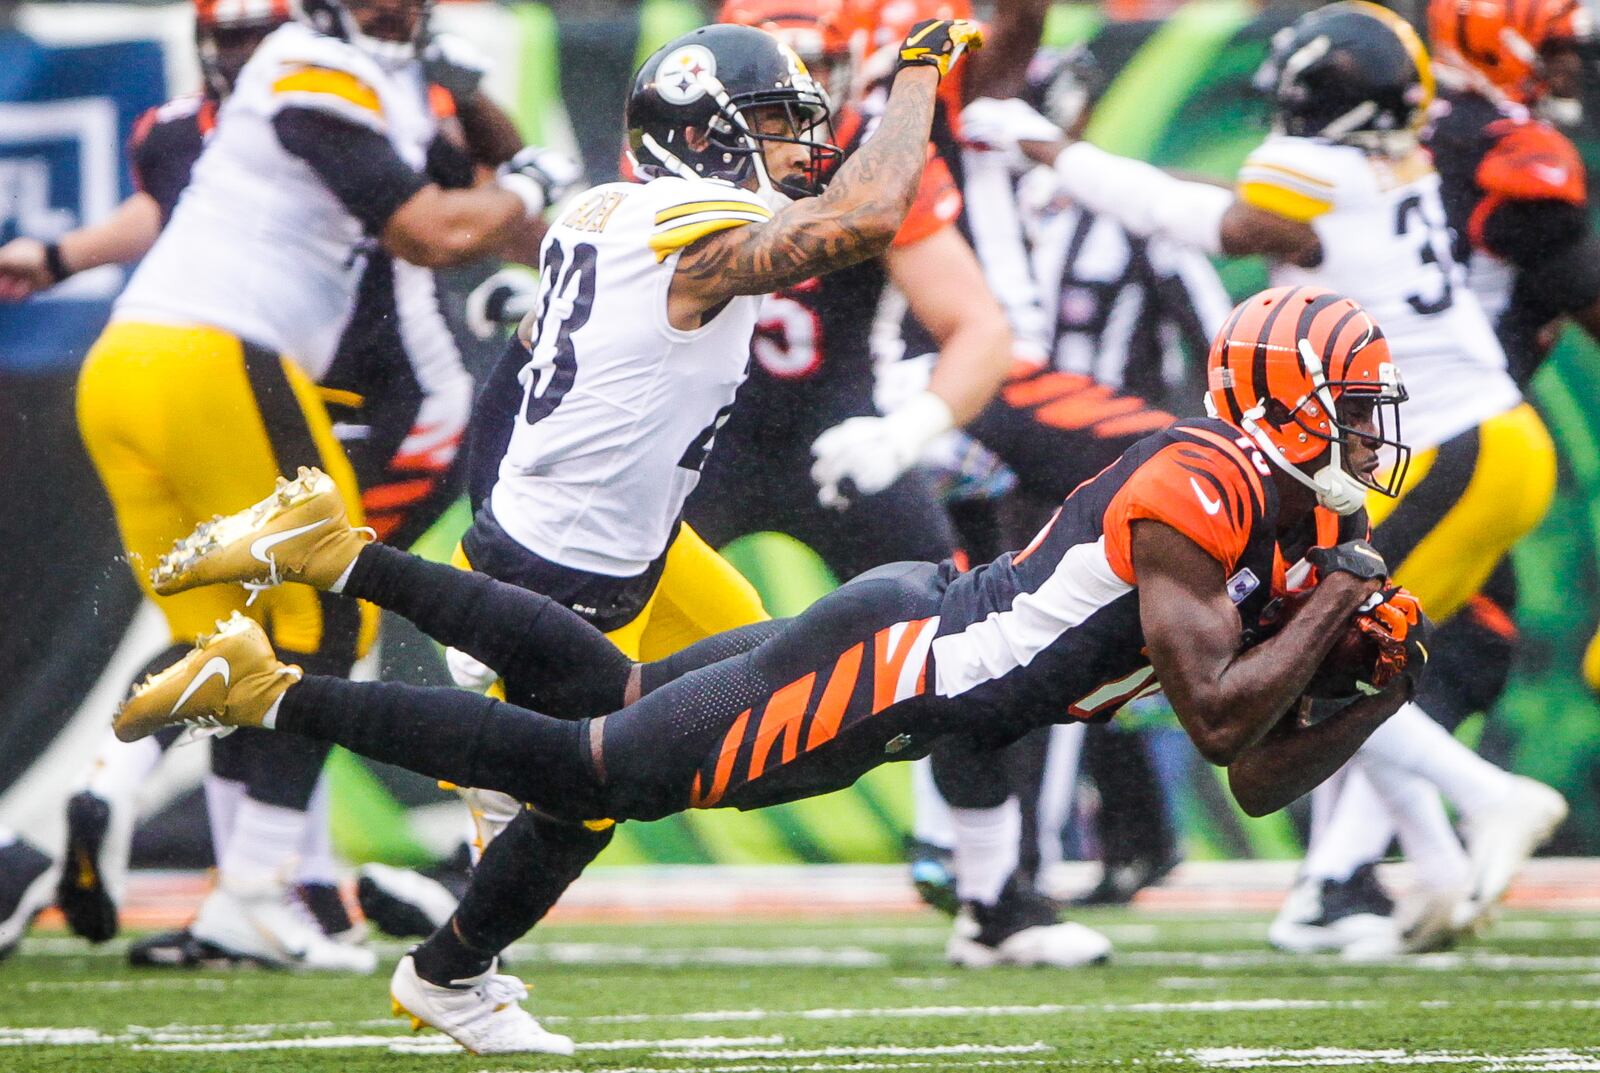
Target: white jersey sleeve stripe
(668, 240)
(1082, 584)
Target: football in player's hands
(1385, 639)
(1350, 666)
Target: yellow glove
(939, 43)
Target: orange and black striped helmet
(1300, 369)
(1501, 40)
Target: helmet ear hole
(1277, 413)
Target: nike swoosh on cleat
(215, 666)
(260, 548)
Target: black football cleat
(1024, 928)
(180, 950)
(81, 890)
(24, 891)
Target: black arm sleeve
(494, 418)
(356, 162)
(1538, 236)
(448, 164)
(1566, 275)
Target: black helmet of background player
(390, 31)
(1351, 72)
(1064, 84)
(696, 102)
(226, 33)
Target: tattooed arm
(853, 220)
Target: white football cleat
(266, 923)
(1022, 928)
(1328, 914)
(482, 1013)
(1501, 841)
(1424, 923)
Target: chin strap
(1333, 486)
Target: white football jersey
(258, 246)
(1385, 244)
(619, 407)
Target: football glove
(869, 454)
(454, 64)
(1002, 125)
(1354, 557)
(501, 300)
(1397, 625)
(540, 177)
(938, 43)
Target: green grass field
(1184, 993)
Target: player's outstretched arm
(1228, 700)
(27, 266)
(855, 218)
(1139, 196)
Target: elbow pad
(1143, 198)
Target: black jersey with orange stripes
(1052, 632)
(165, 143)
(1516, 197)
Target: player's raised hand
(938, 43)
(24, 269)
(868, 454)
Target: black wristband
(54, 263)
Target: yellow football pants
(1464, 504)
(186, 422)
(699, 595)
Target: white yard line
(1318, 1057)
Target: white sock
(338, 586)
(986, 850)
(1426, 837)
(120, 768)
(263, 844)
(270, 720)
(317, 862)
(1411, 740)
(1057, 788)
(930, 816)
(1357, 832)
(222, 807)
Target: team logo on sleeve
(680, 79)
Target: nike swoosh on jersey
(261, 547)
(1211, 505)
(215, 667)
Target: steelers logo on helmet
(711, 104)
(683, 76)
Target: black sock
(521, 875)
(550, 658)
(465, 738)
(442, 958)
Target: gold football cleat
(298, 533)
(230, 679)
